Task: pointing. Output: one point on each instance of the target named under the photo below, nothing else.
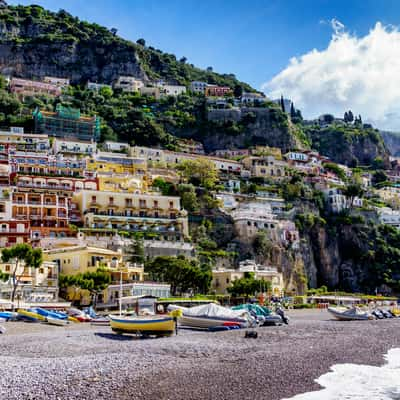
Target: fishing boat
(8, 315)
(47, 313)
(349, 314)
(30, 315)
(100, 321)
(145, 325)
(56, 321)
(212, 315)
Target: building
(390, 195)
(116, 146)
(113, 212)
(198, 87)
(265, 167)
(17, 140)
(66, 146)
(253, 98)
(59, 82)
(191, 146)
(388, 216)
(47, 213)
(231, 153)
(114, 163)
(67, 123)
(128, 84)
(150, 91)
(222, 279)
(217, 91)
(156, 248)
(122, 182)
(25, 87)
(338, 202)
(96, 86)
(36, 284)
(172, 90)
(72, 260)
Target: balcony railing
(133, 215)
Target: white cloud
(357, 73)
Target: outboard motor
(281, 313)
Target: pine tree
(292, 111)
(351, 116)
(346, 117)
(282, 104)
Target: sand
(80, 361)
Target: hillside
(35, 42)
(392, 141)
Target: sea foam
(359, 382)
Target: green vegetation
(182, 274)
(248, 286)
(21, 256)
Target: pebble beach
(81, 361)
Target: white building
(74, 146)
(115, 146)
(253, 98)
(96, 86)
(338, 202)
(60, 82)
(172, 90)
(128, 84)
(389, 217)
(198, 86)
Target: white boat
(56, 321)
(349, 314)
(212, 315)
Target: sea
(359, 382)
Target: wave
(359, 382)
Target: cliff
(392, 142)
(35, 42)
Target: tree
(379, 177)
(22, 256)
(189, 197)
(262, 245)
(209, 69)
(238, 91)
(292, 111)
(141, 41)
(183, 60)
(183, 275)
(135, 251)
(248, 286)
(352, 191)
(282, 102)
(114, 31)
(94, 282)
(106, 92)
(202, 169)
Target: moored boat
(56, 321)
(212, 315)
(8, 315)
(146, 325)
(351, 314)
(30, 315)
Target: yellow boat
(147, 325)
(73, 319)
(30, 315)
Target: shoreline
(91, 362)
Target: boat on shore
(212, 315)
(30, 315)
(351, 314)
(56, 321)
(144, 325)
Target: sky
(327, 56)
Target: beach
(90, 362)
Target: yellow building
(390, 195)
(36, 284)
(112, 212)
(265, 166)
(222, 279)
(122, 183)
(114, 163)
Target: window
(171, 204)
(41, 270)
(155, 204)
(111, 200)
(93, 199)
(8, 268)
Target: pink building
(28, 88)
(217, 91)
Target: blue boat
(51, 314)
(8, 315)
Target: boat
(8, 315)
(2, 329)
(351, 314)
(30, 315)
(47, 313)
(100, 321)
(79, 315)
(145, 325)
(212, 315)
(72, 319)
(56, 321)
(263, 314)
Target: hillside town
(85, 203)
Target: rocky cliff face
(250, 126)
(392, 142)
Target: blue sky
(356, 68)
(252, 38)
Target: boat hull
(56, 321)
(206, 322)
(31, 316)
(342, 316)
(149, 326)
